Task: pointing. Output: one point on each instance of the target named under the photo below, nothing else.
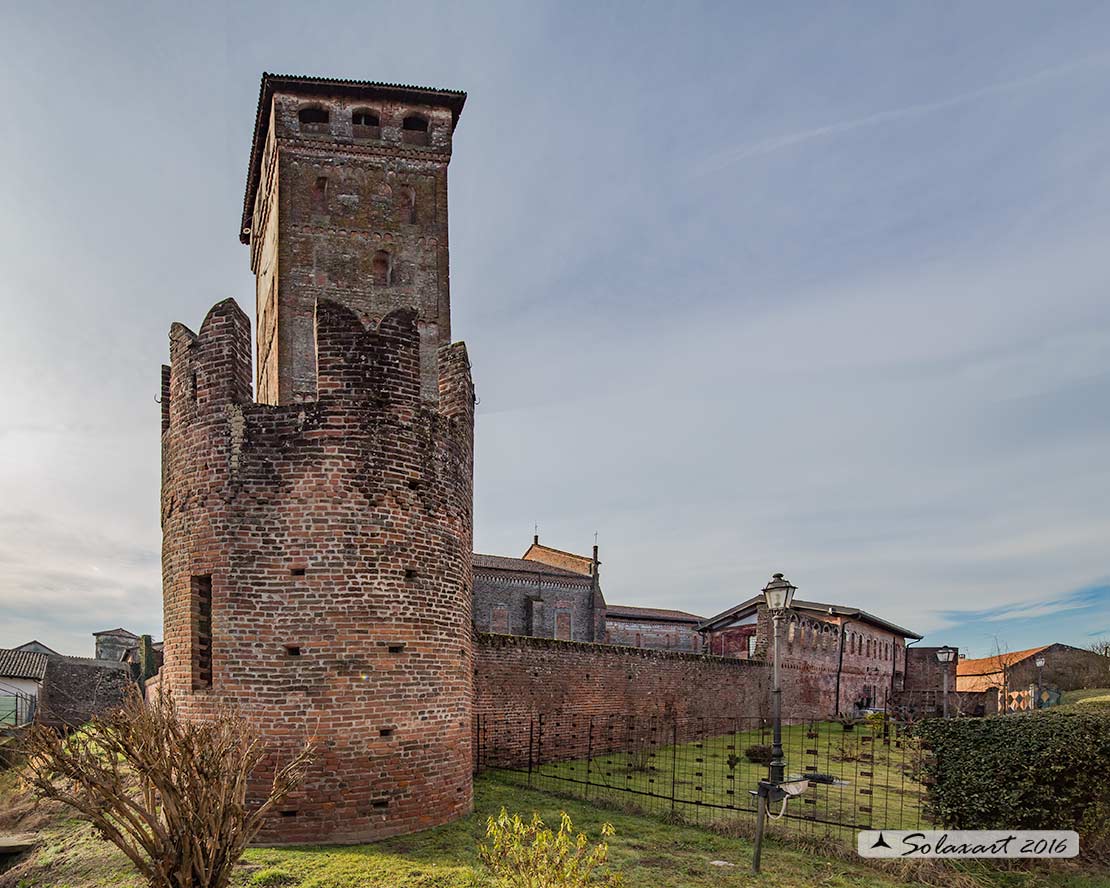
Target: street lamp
(778, 595)
(1039, 663)
(945, 655)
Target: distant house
(21, 678)
(35, 645)
(1066, 668)
(113, 644)
(652, 627)
(63, 691)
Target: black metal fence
(704, 769)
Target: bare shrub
(170, 794)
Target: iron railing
(704, 769)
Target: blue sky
(747, 288)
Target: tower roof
(301, 85)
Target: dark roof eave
(305, 85)
(837, 610)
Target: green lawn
(1088, 695)
(712, 778)
(649, 852)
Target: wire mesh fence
(705, 769)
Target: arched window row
(366, 123)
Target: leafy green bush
(530, 855)
(1038, 770)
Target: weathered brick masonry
(316, 566)
(518, 679)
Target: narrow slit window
(408, 204)
(379, 268)
(320, 195)
(202, 631)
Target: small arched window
(414, 130)
(365, 117)
(380, 268)
(314, 120)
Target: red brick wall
(517, 680)
(923, 690)
(663, 635)
(337, 535)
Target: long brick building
(859, 657)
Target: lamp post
(945, 655)
(1039, 663)
(778, 596)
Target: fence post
(531, 728)
(674, 759)
(589, 755)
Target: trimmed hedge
(1038, 770)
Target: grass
(649, 852)
(712, 778)
(1087, 695)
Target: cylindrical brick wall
(331, 543)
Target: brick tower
(346, 200)
(316, 552)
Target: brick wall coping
(494, 640)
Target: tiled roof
(650, 613)
(117, 631)
(995, 664)
(502, 562)
(301, 84)
(22, 664)
(838, 610)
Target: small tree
(530, 855)
(170, 794)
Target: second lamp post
(945, 655)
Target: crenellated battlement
(377, 365)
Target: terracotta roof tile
(650, 613)
(996, 663)
(22, 664)
(502, 562)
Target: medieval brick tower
(316, 549)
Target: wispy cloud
(736, 155)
